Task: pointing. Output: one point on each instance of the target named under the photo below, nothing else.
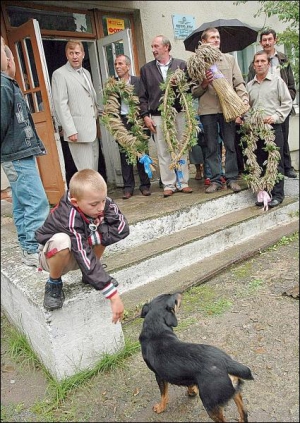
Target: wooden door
(26, 45)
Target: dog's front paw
(159, 408)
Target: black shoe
(127, 195)
(54, 295)
(291, 174)
(274, 203)
(259, 203)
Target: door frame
(50, 166)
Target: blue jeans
(30, 203)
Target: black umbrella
(234, 34)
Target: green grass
(206, 300)
(20, 350)
(285, 240)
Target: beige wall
(156, 17)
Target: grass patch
(108, 362)
(21, 352)
(184, 324)
(206, 300)
(243, 270)
(285, 240)
(255, 285)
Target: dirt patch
(244, 311)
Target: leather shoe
(259, 203)
(213, 187)
(274, 203)
(146, 192)
(186, 190)
(234, 186)
(291, 174)
(126, 195)
(168, 193)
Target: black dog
(202, 368)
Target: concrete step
(174, 243)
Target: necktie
(87, 82)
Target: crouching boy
(74, 236)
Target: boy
(75, 235)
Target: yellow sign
(114, 25)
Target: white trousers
(85, 154)
(168, 176)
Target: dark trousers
(227, 130)
(287, 163)
(127, 169)
(262, 155)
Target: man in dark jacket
(152, 75)
(122, 67)
(20, 144)
(279, 66)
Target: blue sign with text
(183, 25)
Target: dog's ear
(170, 318)
(145, 310)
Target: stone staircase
(174, 243)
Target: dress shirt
(271, 95)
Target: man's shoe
(186, 190)
(274, 203)
(213, 188)
(291, 174)
(30, 259)
(54, 295)
(234, 186)
(168, 193)
(146, 192)
(126, 195)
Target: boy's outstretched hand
(117, 308)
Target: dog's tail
(239, 370)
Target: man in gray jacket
(76, 107)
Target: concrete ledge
(68, 340)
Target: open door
(26, 45)
(108, 48)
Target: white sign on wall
(183, 25)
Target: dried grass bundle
(204, 59)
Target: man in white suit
(76, 107)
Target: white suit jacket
(75, 106)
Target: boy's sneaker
(207, 181)
(30, 259)
(54, 295)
